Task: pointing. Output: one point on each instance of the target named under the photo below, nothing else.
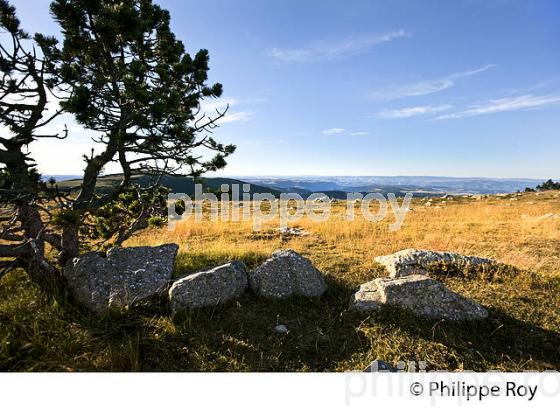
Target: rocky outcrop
(122, 277)
(209, 288)
(287, 273)
(414, 261)
(423, 296)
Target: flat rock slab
(209, 288)
(285, 274)
(415, 261)
(423, 296)
(122, 277)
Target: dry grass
(512, 232)
(522, 333)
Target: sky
(450, 88)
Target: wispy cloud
(333, 131)
(325, 49)
(429, 86)
(237, 116)
(212, 107)
(414, 111)
(522, 102)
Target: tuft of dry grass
(522, 332)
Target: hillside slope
(177, 184)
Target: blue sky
(454, 88)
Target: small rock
(287, 273)
(380, 366)
(209, 288)
(423, 296)
(281, 329)
(292, 231)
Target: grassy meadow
(38, 333)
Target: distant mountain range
(419, 185)
(334, 187)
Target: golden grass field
(516, 230)
(522, 332)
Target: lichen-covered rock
(287, 273)
(423, 296)
(88, 277)
(415, 261)
(209, 288)
(122, 277)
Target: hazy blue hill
(60, 177)
(177, 184)
(422, 185)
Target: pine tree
(124, 75)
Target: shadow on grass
(324, 336)
(500, 342)
(239, 336)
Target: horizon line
(238, 176)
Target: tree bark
(70, 245)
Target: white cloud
(217, 104)
(213, 107)
(339, 131)
(428, 87)
(236, 116)
(414, 111)
(332, 49)
(333, 131)
(527, 101)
